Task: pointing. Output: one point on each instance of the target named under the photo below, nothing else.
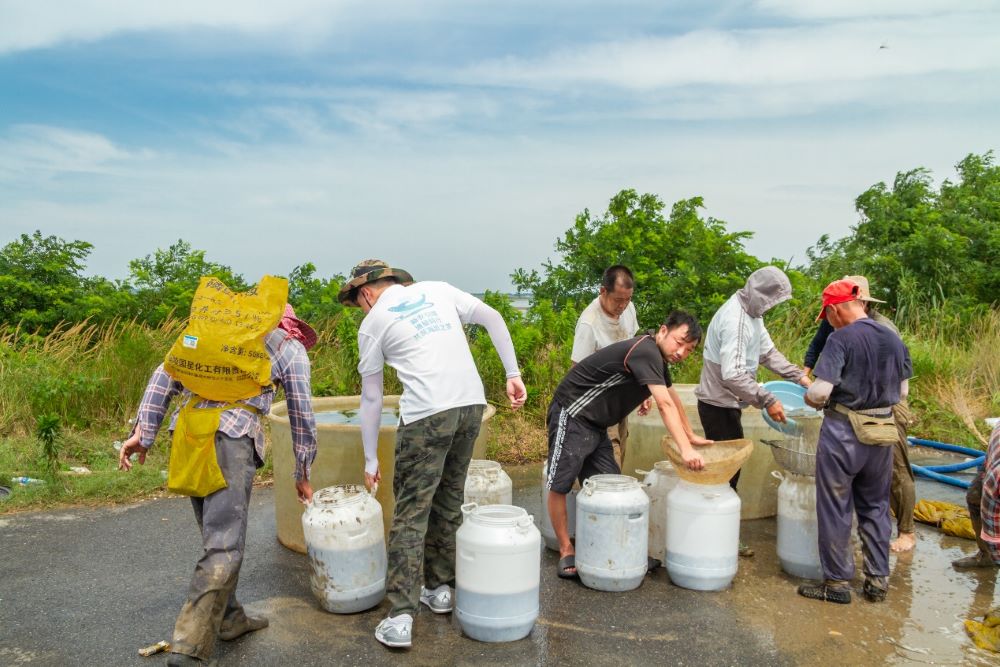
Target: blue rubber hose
(956, 467)
(946, 447)
(938, 477)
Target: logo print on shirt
(410, 308)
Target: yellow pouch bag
(220, 355)
(194, 468)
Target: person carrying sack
(864, 371)
(217, 446)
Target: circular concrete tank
(340, 459)
(758, 490)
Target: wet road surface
(88, 586)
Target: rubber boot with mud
(231, 630)
(827, 591)
(980, 559)
(875, 589)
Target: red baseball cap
(839, 291)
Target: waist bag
(869, 429)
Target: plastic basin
(793, 399)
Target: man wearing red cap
(863, 373)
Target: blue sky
(458, 139)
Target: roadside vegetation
(76, 351)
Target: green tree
(918, 245)
(313, 298)
(41, 280)
(165, 281)
(682, 261)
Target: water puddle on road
(919, 623)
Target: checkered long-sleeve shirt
(289, 367)
(990, 504)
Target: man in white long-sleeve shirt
(416, 328)
(736, 343)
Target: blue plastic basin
(793, 399)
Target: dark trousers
(851, 476)
(222, 518)
(721, 424)
(902, 497)
(432, 461)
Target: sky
(459, 139)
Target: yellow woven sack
(959, 526)
(986, 635)
(952, 519)
(220, 355)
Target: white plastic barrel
(703, 535)
(488, 484)
(545, 523)
(497, 565)
(612, 533)
(658, 483)
(798, 530)
(346, 547)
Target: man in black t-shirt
(600, 391)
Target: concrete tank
(340, 459)
(758, 490)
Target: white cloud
(842, 51)
(28, 25)
(53, 150)
(827, 9)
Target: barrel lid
(495, 515)
(483, 467)
(611, 483)
(340, 495)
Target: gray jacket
(737, 342)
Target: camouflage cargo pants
(432, 460)
(222, 519)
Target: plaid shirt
(990, 504)
(289, 367)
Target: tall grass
(92, 377)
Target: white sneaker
(439, 600)
(395, 632)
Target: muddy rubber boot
(827, 591)
(980, 559)
(875, 589)
(234, 629)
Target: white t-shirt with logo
(417, 330)
(595, 330)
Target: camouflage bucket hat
(366, 272)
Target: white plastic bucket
(703, 535)
(497, 573)
(346, 546)
(612, 538)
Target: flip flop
(652, 564)
(564, 564)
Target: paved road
(91, 586)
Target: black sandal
(565, 563)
